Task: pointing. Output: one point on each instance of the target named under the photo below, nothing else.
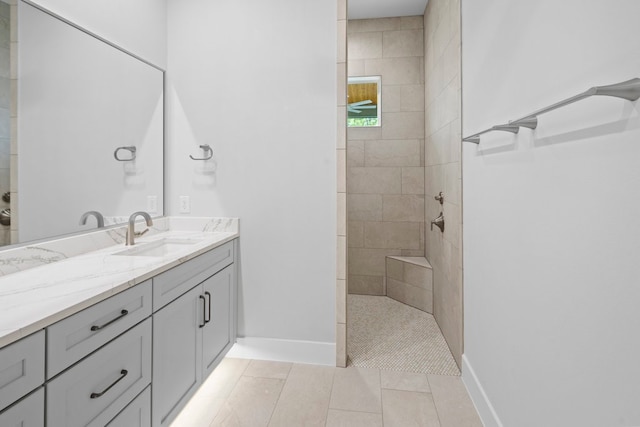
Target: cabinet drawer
(136, 414)
(175, 282)
(95, 390)
(29, 412)
(21, 368)
(76, 336)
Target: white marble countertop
(39, 296)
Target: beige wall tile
(251, 403)
(341, 141)
(391, 98)
(304, 400)
(456, 140)
(356, 389)
(451, 59)
(355, 237)
(407, 408)
(367, 25)
(354, 134)
(438, 149)
(365, 45)
(452, 217)
(366, 285)
(396, 71)
(417, 276)
(419, 298)
(341, 301)
(403, 208)
(364, 207)
(402, 43)
(413, 180)
(355, 67)
(434, 181)
(447, 309)
(355, 153)
(412, 22)
(403, 152)
(368, 262)
(342, 36)
(454, 406)
(412, 98)
(407, 381)
(395, 269)
(341, 345)
(342, 214)
(341, 83)
(342, 9)
(392, 235)
(338, 418)
(404, 125)
(453, 182)
(341, 165)
(341, 257)
(375, 180)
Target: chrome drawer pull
(123, 373)
(204, 305)
(122, 314)
(209, 319)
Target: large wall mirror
(89, 130)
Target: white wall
(552, 217)
(138, 26)
(257, 81)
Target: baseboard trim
(280, 350)
(480, 399)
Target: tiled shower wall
(341, 154)
(5, 104)
(443, 171)
(385, 165)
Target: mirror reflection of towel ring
(131, 149)
(208, 153)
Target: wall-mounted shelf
(629, 90)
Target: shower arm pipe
(629, 90)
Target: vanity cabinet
(94, 391)
(190, 337)
(21, 368)
(136, 414)
(131, 360)
(29, 412)
(70, 339)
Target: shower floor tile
(385, 334)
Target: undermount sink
(158, 248)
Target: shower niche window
(363, 102)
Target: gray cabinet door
(29, 412)
(177, 355)
(216, 332)
(95, 390)
(21, 368)
(136, 414)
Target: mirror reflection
(89, 134)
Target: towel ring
(131, 149)
(207, 149)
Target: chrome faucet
(131, 231)
(98, 215)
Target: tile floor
(255, 393)
(387, 334)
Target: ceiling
(365, 9)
